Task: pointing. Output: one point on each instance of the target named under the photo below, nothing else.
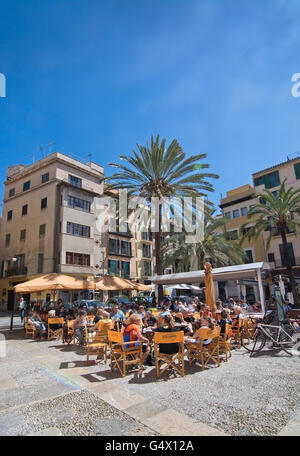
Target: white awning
(240, 271)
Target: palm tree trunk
(289, 268)
(158, 258)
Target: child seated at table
(205, 322)
(35, 320)
(224, 320)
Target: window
(42, 230)
(236, 213)
(125, 248)
(232, 235)
(11, 192)
(78, 203)
(228, 214)
(7, 240)
(22, 235)
(79, 259)
(246, 229)
(45, 178)
(146, 236)
(78, 230)
(297, 170)
(75, 181)
(272, 180)
(40, 267)
(244, 211)
(44, 203)
(25, 209)
(271, 257)
(113, 246)
(146, 251)
(9, 215)
(26, 186)
(259, 181)
(126, 269)
(250, 256)
(113, 267)
(147, 268)
(269, 180)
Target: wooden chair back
(176, 360)
(168, 337)
(123, 354)
(55, 332)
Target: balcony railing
(16, 271)
(279, 263)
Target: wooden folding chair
(55, 333)
(95, 346)
(30, 329)
(236, 332)
(225, 342)
(205, 352)
(174, 361)
(123, 354)
(160, 321)
(102, 328)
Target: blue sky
(98, 76)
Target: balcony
(279, 263)
(22, 270)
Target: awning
(52, 282)
(241, 271)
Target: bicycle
(281, 332)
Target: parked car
(119, 300)
(142, 300)
(89, 304)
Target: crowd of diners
(132, 320)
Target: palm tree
(215, 245)
(163, 172)
(275, 213)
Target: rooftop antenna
(50, 144)
(32, 157)
(90, 156)
(42, 151)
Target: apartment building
(235, 207)
(270, 179)
(144, 256)
(48, 222)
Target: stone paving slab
(293, 427)
(170, 422)
(120, 398)
(53, 432)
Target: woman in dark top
(168, 326)
(225, 319)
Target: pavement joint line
(289, 428)
(25, 404)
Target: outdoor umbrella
(52, 282)
(110, 283)
(209, 288)
(139, 286)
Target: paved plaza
(46, 388)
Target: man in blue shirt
(117, 314)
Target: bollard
(12, 321)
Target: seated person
(141, 312)
(100, 315)
(132, 333)
(219, 306)
(117, 314)
(166, 309)
(35, 320)
(150, 320)
(205, 322)
(168, 326)
(238, 314)
(225, 319)
(174, 305)
(80, 323)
